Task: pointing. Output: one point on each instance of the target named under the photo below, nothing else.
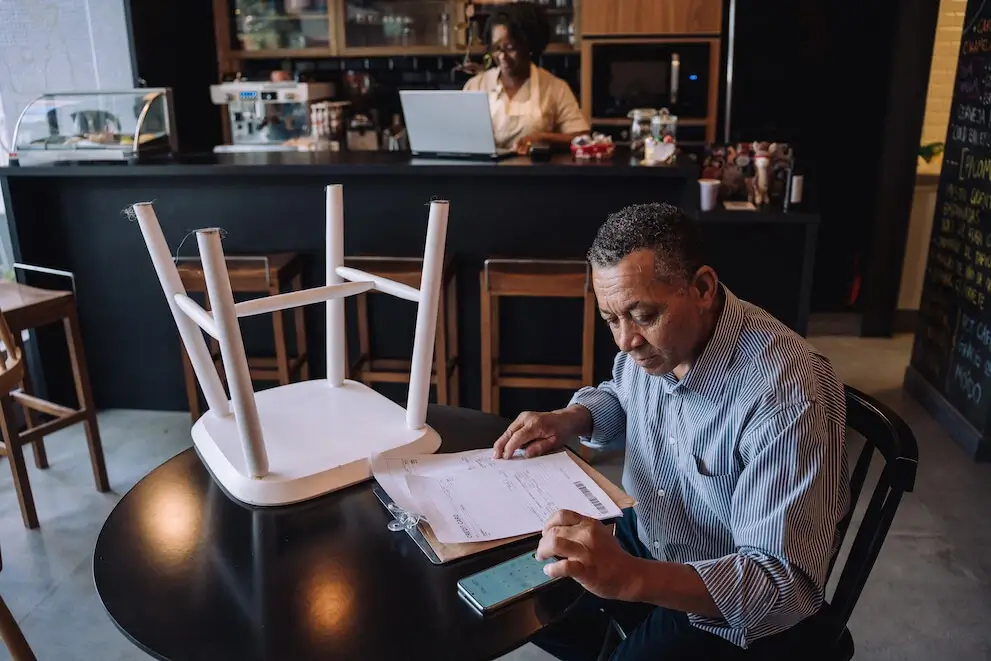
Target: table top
(187, 573)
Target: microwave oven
(680, 75)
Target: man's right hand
(541, 433)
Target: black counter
(71, 217)
(369, 163)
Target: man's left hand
(589, 553)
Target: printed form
(471, 497)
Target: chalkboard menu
(952, 350)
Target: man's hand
(590, 554)
(542, 432)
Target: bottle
(444, 30)
(796, 185)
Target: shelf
(282, 53)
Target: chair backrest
(887, 435)
(341, 282)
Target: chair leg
(38, 446)
(364, 351)
(192, 394)
(12, 636)
(440, 351)
(496, 389)
(299, 321)
(486, 333)
(588, 355)
(279, 328)
(80, 375)
(19, 470)
(453, 354)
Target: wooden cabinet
(651, 17)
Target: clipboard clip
(404, 520)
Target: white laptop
(450, 124)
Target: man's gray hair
(675, 238)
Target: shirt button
(671, 440)
(660, 492)
(657, 544)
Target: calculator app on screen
(505, 581)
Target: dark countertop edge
(762, 216)
(406, 170)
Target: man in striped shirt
(734, 432)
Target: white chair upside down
(295, 442)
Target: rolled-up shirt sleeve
(784, 512)
(607, 405)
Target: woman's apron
(512, 120)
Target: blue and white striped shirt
(739, 470)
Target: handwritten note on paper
(506, 498)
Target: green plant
(930, 151)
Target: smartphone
(506, 582)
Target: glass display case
(399, 24)
(269, 25)
(127, 125)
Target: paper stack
(471, 497)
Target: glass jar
(664, 124)
(641, 126)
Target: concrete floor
(929, 596)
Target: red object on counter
(592, 148)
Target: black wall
(173, 45)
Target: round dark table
(186, 573)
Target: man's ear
(707, 284)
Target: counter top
(363, 163)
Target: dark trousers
(658, 634)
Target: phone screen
(505, 582)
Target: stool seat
(248, 272)
(26, 307)
(407, 270)
(518, 277)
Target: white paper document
(471, 497)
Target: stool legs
(80, 375)
(38, 446)
(588, 356)
(487, 361)
(451, 321)
(299, 321)
(364, 341)
(440, 351)
(19, 470)
(279, 330)
(12, 636)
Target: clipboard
(440, 553)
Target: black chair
(886, 434)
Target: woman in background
(528, 104)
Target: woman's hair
(527, 25)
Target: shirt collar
(495, 85)
(707, 376)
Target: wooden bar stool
(27, 308)
(407, 270)
(540, 278)
(253, 274)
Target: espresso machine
(267, 115)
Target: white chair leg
(426, 316)
(336, 333)
(218, 287)
(189, 332)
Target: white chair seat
(318, 439)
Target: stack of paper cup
(709, 190)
